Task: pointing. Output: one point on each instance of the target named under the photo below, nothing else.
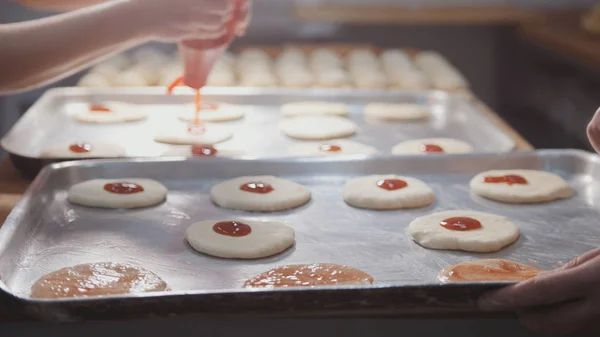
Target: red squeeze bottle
(199, 56)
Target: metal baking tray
(45, 233)
(49, 121)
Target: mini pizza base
(186, 151)
(286, 195)
(314, 108)
(318, 127)
(396, 112)
(224, 113)
(182, 137)
(524, 272)
(99, 150)
(450, 146)
(121, 113)
(267, 238)
(364, 193)
(542, 187)
(497, 232)
(91, 193)
(313, 149)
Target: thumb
(593, 131)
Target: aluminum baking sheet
(45, 233)
(50, 120)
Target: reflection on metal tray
(45, 232)
(50, 120)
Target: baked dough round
(201, 151)
(540, 187)
(224, 113)
(340, 147)
(181, 136)
(318, 127)
(284, 195)
(396, 111)
(496, 232)
(119, 113)
(93, 150)
(365, 192)
(314, 108)
(490, 270)
(97, 279)
(224, 238)
(417, 146)
(309, 275)
(92, 193)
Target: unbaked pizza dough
(396, 192)
(97, 279)
(223, 113)
(83, 150)
(496, 232)
(489, 270)
(201, 151)
(97, 193)
(118, 113)
(418, 146)
(340, 147)
(182, 136)
(318, 127)
(283, 194)
(540, 187)
(396, 111)
(240, 239)
(314, 108)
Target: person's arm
(59, 5)
(37, 52)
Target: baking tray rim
(11, 223)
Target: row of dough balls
(361, 68)
(378, 192)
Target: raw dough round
(396, 111)
(224, 113)
(119, 113)
(309, 275)
(541, 187)
(181, 136)
(285, 195)
(314, 108)
(97, 279)
(91, 193)
(318, 127)
(186, 151)
(266, 238)
(96, 150)
(490, 270)
(496, 232)
(450, 146)
(330, 148)
(364, 192)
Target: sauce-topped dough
(80, 148)
(204, 151)
(309, 275)
(392, 184)
(460, 224)
(97, 279)
(431, 148)
(330, 148)
(99, 108)
(492, 270)
(510, 179)
(123, 188)
(257, 187)
(232, 228)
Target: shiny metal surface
(45, 233)
(50, 120)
